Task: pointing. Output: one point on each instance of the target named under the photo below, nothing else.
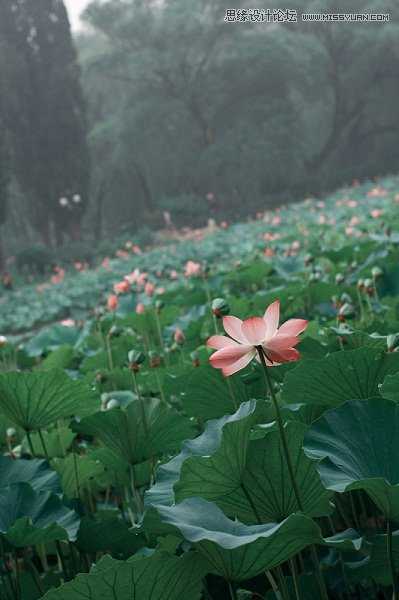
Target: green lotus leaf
(260, 490)
(205, 394)
(341, 376)
(76, 472)
(356, 448)
(247, 478)
(28, 517)
(237, 427)
(234, 550)
(53, 443)
(390, 388)
(108, 533)
(52, 338)
(135, 434)
(36, 400)
(158, 576)
(375, 566)
(35, 472)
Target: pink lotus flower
(236, 352)
(140, 308)
(149, 288)
(122, 287)
(192, 268)
(179, 336)
(376, 213)
(68, 323)
(112, 302)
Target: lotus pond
(165, 438)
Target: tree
(46, 114)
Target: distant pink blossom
(149, 288)
(122, 287)
(68, 323)
(140, 308)
(192, 269)
(112, 302)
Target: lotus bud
(346, 298)
(195, 359)
(179, 337)
(393, 342)
(155, 359)
(135, 358)
(369, 286)
(220, 308)
(113, 403)
(347, 310)
(100, 377)
(339, 278)
(159, 306)
(115, 331)
(11, 432)
(376, 272)
(3, 341)
(360, 284)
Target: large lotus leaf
(341, 376)
(390, 388)
(62, 358)
(28, 517)
(256, 488)
(375, 566)
(50, 443)
(52, 338)
(76, 472)
(36, 400)
(236, 427)
(35, 472)
(136, 437)
(234, 550)
(205, 394)
(155, 577)
(356, 445)
(106, 532)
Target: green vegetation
(133, 469)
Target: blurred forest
(159, 105)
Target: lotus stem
(395, 590)
(43, 445)
(232, 591)
(31, 450)
(295, 579)
(283, 438)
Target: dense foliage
(132, 469)
(186, 114)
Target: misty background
(158, 113)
